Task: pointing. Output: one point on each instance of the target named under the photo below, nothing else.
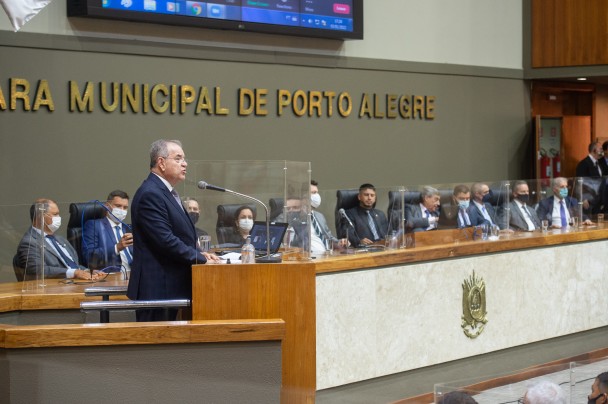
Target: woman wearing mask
(243, 222)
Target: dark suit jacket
(29, 256)
(476, 215)
(545, 208)
(358, 216)
(516, 218)
(586, 168)
(164, 241)
(415, 220)
(98, 247)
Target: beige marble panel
(372, 323)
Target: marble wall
(372, 323)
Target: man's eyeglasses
(178, 160)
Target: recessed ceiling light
(582, 79)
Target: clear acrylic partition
(582, 376)
(508, 388)
(281, 187)
(22, 245)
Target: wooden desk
(290, 291)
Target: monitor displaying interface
(341, 19)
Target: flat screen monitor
(338, 19)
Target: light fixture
(582, 79)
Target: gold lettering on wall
(81, 102)
(44, 97)
(20, 90)
(162, 98)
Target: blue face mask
(563, 192)
(487, 197)
(463, 204)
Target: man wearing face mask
(107, 243)
(559, 208)
(60, 259)
(193, 210)
(321, 237)
(458, 214)
(481, 211)
(591, 171)
(521, 216)
(599, 390)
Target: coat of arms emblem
(473, 306)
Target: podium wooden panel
(285, 291)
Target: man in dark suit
(107, 242)
(60, 258)
(559, 208)
(424, 215)
(165, 243)
(481, 211)
(370, 224)
(590, 168)
(522, 217)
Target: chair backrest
(395, 203)
(345, 199)
(81, 212)
(276, 207)
(225, 219)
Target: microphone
(345, 216)
(265, 259)
(204, 185)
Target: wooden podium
(264, 291)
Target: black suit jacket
(164, 245)
(586, 168)
(545, 208)
(358, 216)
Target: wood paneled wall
(569, 33)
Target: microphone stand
(260, 260)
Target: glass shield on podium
(270, 198)
(29, 263)
(582, 378)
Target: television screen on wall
(338, 19)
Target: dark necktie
(372, 226)
(68, 261)
(562, 213)
(126, 250)
(530, 216)
(177, 199)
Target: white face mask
(119, 213)
(246, 224)
(315, 200)
(55, 224)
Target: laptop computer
(258, 237)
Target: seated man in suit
(321, 238)
(194, 211)
(481, 211)
(107, 242)
(370, 224)
(425, 215)
(60, 259)
(457, 214)
(521, 216)
(559, 208)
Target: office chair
(225, 220)
(81, 212)
(276, 207)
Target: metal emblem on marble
(473, 306)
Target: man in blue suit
(107, 242)
(481, 211)
(165, 243)
(559, 208)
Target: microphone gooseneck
(345, 216)
(204, 185)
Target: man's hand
(212, 258)
(125, 241)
